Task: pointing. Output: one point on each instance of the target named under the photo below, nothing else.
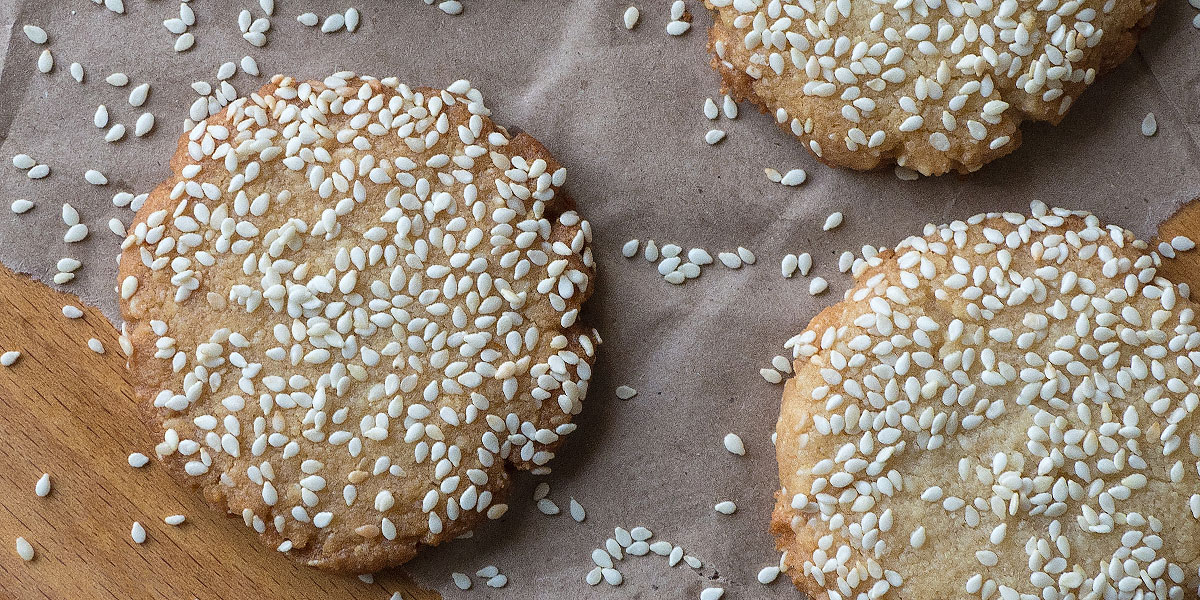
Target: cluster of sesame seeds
(322, 311)
(184, 39)
(712, 112)
(255, 30)
(792, 178)
(681, 19)
(334, 22)
(676, 266)
(637, 541)
(1052, 328)
(115, 6)
(901, 57)
(33, 169)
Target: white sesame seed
(38, 171)
(768, 574)
(788, 265)
(23, 161)
(577, 511)
(630, 249)
(1149, 125)
(712, 593)
(139, 94)
(42, 489)
(9, 358)
(906, 174)
(138, 460)
(226, 70)
(76, 70)
(333, 23)
(845, 261)
(67, 264)
(117, 79)
(711, 112)
(145, 123)
(267, 6)
(352, 18)
(917, 539)
(21, 206)
(746, 255)
(772, 174)
(832, 221)
(713, 136)
(45, 62)
(71, 312)
(625, 392)
(794, 177)
(726, 507)
(733, 443)
(730, 259)
(547, 507)
(1182, 243)
(175, 520)
(100, 120)
(35, 34)
(451, 7)
(729, 107)
(498, 581)
(138, 533)
(817, 286)
(184, 42)
(115, 133)
(250, 66)
(308, 19)
(630, 18)
(699, 256)
(95, 346)
(25, 549)
(95, 177)
(678, 27)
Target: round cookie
(930, 85)
(1001, 408)
(352, 309)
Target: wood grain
(1185, 267)
(68, 411)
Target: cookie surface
(933, 86)
(353, 308)
(1001, 408)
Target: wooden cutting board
(68, 411)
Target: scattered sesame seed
(630, 17)
(451, 7)
(226, 70)
(773, 175)
(139, 94)
(333, 23)
(138, 460)
(308, 19)
(117, 79)
(95, 346)
(100, 120)
(733, 443)
(42, 489)
(267, 6)
(730, 259)
(678, 27)
(577, 511)
(68, 265)
(184, 42)
(138, 533)
(21, 206)
(95, 177)
(38, 171)
(713, 136)
(45, 62)
(832, 221)
(25, 549)
(1149, 125)
(352, 18)
(1182, 243)
(547, 507)
(144, 124)
(76, 70)
(115, 133)
(817, 286)
(771, 375)
(711, 112)
(845, 261)
(630, 249)
(461, 581)
(767, 575)
(651, 252)
(23, 162)
(699, 256)
(625, 392)
(729, 107)
(746, 255)
(498, 581)
(71, 312)
(906, 174)
(249, 65)
(726, 508)
(175, 520)
(788, 265)
(35, 34)
(9, 358)
(794, 177)
(712, 593)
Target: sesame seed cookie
(930, 85)
(352, 309)
(1001, 408)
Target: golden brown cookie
(1001, 408)
(932, 85)
(352, 308)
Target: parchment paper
(623, 110)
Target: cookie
(930, 85)
(1001, 408)
(353, 309)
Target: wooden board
(68, 411)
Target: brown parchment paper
(622, 109)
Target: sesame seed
(76, 70)
(21, 206)
(497, 581)
(547, 507)
(804, 263)
(35, 34)
(1182, 243)
(71, 312)
(625, 392)
(23, 162)
(745, 255)
(175, 520)
(577, 511)
(250, 66)
(117, 79)
(630, 17)
(138, 460)
(832, 221)
(788, 265)
(38, 171)
(184, 42)
(729, 107)
(768, 575)
(1149, 125)
(45, 62)
(773, 175)
(333, 23)
(733, 443)
(95, 346)
(794, 177)
(711, 112)
(730, 259)
(115, 133)
(451, 7)
(138, 533)
(9, 358)
(678, 28)
(630, 249)
(42, 489)
(25, 549)
(699, 256)
(817, 286)
(145, 123)
(651, 252)
(712, 593)
(461, 581)
(139, 94)
(352, 18)
(726, 507)
(906, 174)
(227, 69)
(308, 19)
(713, 136)
(76, 233)
(95, 177)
